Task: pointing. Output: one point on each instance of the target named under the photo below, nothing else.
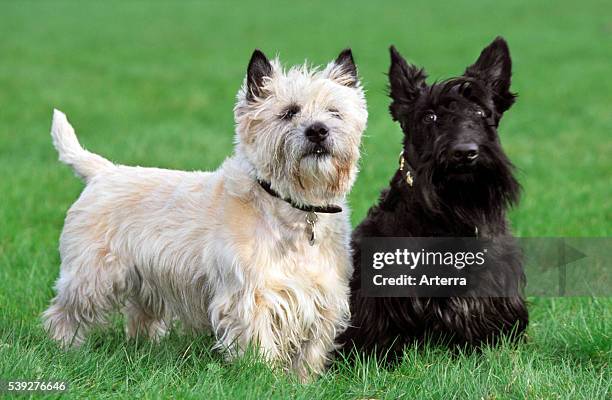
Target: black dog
(454, 180)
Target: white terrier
(256, 252)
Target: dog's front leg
(243, 321)
(314, 355)
(312, 359)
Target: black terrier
(454, 180)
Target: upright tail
(84, 163)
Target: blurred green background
(154, 84)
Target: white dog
(256, 252)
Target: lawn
(154, 84)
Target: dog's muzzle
(318, 143)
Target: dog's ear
(405, 82)
(344, 70)
(259, 68)
(494, 69)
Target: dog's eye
(480, 112)
(429, 117)
(335, 113)
(290, 112)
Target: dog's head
(450, 127)
(301, 128)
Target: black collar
(331, 209)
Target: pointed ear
(344, 70)
(405, 82)
(259, 68)
(494, 69)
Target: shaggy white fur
(213, 249)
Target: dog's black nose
(317, 132)
(465, 153)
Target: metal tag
(311, 220)
(409, 178)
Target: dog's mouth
(457, 172)
(317, 151)
(463, 168)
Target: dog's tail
(84, 163)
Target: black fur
(451, 197)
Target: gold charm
(311, 220)
(409, 178)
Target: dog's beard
(321, 175)
(486, 189)
(327, 172)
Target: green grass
(154, 84)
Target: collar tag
(311, 220)
(409, 178)
(402, 164)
